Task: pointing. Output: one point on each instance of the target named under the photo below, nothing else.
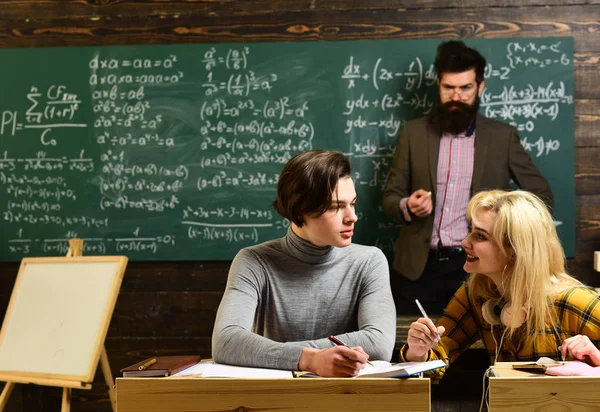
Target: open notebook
(382, 369)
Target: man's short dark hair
(455, 57)
(306, 184)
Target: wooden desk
(516, 391)
(290, 395)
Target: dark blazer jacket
(499, 157)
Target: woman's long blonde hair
(525, 233)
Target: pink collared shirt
(454, 176)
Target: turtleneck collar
(305, 251)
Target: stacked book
(160, 366)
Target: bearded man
(440, 161)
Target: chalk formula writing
(174, 152)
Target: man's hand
(338, 361)
(420, 203)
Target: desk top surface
(290, 395)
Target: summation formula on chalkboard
(173, 152)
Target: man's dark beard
(456, 117)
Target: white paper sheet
(217, 370)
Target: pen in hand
(147, 364)
(425, 316)
(338, 342)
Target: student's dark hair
(306, 184)
(455, 57)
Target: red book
(160, 366)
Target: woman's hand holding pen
(335, 361)
(580, 347)
(422, 336)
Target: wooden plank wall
(169, 308)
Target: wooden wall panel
(130, 8)
(164, 314)
(587, 170)
(587, 122)
(40, 29)
(175, 276)
(169, 307)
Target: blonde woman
(518, 299)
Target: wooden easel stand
(75, 249)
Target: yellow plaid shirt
(578, 311)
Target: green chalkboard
(172, 152)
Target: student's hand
(422, 336)
(420, 203)
(581, 348)
(337, 361)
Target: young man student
(285, 296)
(440, 161)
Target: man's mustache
(455, 105)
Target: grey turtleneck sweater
(287, 294)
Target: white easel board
(57, 319)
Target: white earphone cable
(485, 390)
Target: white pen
(425, 316)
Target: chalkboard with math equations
(173, 152)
